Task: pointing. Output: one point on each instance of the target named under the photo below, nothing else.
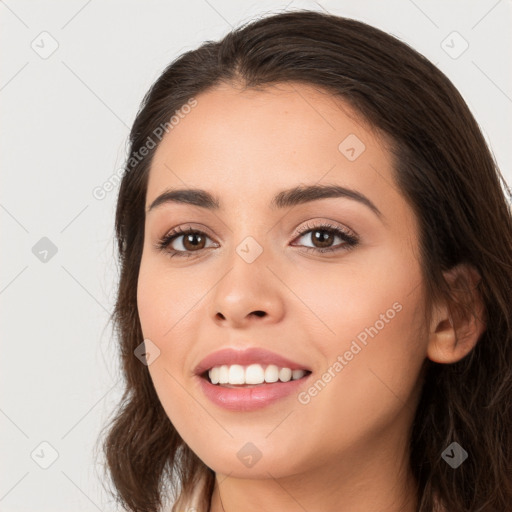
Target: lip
(247, 356)
(248, 398)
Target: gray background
(65, 120)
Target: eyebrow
(284, 199)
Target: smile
(254, 374)
(249, 379)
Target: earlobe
(457, 325)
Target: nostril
(259, 313)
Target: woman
(315, 299)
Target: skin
(346, 449)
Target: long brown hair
(443, 168)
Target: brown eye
(323, 237)
(193, 241)
(182, 242)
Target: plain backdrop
(72, 77)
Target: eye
(323, 236)
(189, 241)
(192, 241)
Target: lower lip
(249, 399)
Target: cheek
(162, 304)
(376, 295)
(167, 303)
(369, 386)
(166, 299)
(369, 311)
(160, 309)
(374, 350)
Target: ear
(456, 327)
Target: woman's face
(248, 279)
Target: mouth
(250, 379)
(251, 376)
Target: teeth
(285, 374)
(214, 375)
(254, 374)
(272, 373)
(236, 374)
(223, 374)
(298, 374)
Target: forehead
(247, 144)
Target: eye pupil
(325, 239)
(187, 239)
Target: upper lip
(229, 356)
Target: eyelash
(350, 241)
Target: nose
(258, 313)
(247, 293)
